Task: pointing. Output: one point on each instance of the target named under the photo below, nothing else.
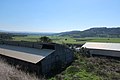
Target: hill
(94, 32)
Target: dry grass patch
(8, 72)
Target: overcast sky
(58, 15)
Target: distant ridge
(94, 32)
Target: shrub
(83, 75)
(72, 70)
(85, 52)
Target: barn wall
(1, 42)
(105, 52)
(47, 64)
(23, 65)
(61, 57)
(23, 44)
(66, 55)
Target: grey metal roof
(23, 53)
(103, 46)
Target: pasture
(67, 39)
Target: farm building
(104, 49)
(41, 58)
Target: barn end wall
(105, 52)
(66, 54)
(61, 57)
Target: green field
(70, 40)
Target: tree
(65, 39)
(6, 36)
(45, 39)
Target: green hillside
(94, 32)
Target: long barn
(40, 58)
(104, 49)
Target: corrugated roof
(23, 53)
(103, 46)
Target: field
(58, 39)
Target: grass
(27, 38)
(69, 40)
(8, 72)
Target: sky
(58, 15)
